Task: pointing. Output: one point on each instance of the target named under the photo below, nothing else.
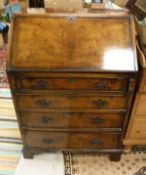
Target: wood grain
(72, 140)
(76, 43)
(72, 80)
(71, 120)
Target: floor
(10, 140)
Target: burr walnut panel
(73, 83)
(71, 102)
(72, 120)
(76, 43)
(66, 140)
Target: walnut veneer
(72, 78)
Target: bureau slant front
(72, 78)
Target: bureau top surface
(71, 42)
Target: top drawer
(72, 83)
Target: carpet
(82, 164)
(10, 139)
(131, 163)
(5, 93)
(9, 156)
(4, 85)
(3, 76)
(10, 145)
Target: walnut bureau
(72, 78)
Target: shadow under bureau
(72, 78)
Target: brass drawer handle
(41, 84)
(46, 119)
(71, 80)
(71, 97)
(95, 142)
(97, 120)
(48, 140)
(102, 85)
(43, 103)
(100, 103)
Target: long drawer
(60, 101)
(71, 120)
(62, 140)
(72, 83)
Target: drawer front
(138, 128)
(71, 102)
(71, 120)
(72, 140)
(99, 84)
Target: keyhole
(71, 19)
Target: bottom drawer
(72, 140)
